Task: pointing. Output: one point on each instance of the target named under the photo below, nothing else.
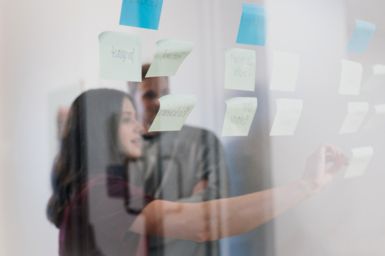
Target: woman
(100, 212)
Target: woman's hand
(322, 166)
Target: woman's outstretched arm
(221, 218)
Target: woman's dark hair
(88, 147)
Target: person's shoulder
(197, 132)
(195, 129)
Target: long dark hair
(89, 145)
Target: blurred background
(49, 54)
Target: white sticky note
(173, 112)
(239, 116)
(120, 57)
(351, 78)
(169, 56)
(287, 116)
(240, 69)
(285, 71)
(379, 69)
(380, 109)
(357, 112)
(361, 158)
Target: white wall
(2, 148)
(346, 218)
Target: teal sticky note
(173, 112)
(120, 57)
(240, 69)
(252, 28)
(169, 56)
(361, 36)
(141, 13)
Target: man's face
(150, 90)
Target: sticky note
(361, 36)
(141, 13)
(285, 71)
(351, 78)
(240, 69)
(357, 112)
(239, 116)
(379, 69)
(169, 56)
(361, 158)
(173, 112)
(380, 109)
(287, 116)
(252, 28)
(120, 57)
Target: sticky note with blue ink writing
(239, 116)
(361, 36)
(173, 112)
(141, 13)
(120, 57)
(252, 28)
(169, 56)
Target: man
(187, 165)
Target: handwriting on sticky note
(287, 117)
(285, 71)
(141, 13)
(173, 112)
(252, 28)
(362, 34)
(361, 158)
(169, 57)
(351, 78)
(357, 112)
(119, 57)
(240, 69)
(122, 54)
(239, 116)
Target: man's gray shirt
(172, 164)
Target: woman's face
(129, 131)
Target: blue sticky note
(252, 29)
(141, 13)
(361, 36)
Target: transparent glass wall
(301, 176)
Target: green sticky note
(173, 112)
(169, 56)
(287, 117)
(120, 57)
(240, 112)
(240, 69)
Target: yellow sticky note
(120, 57)
(287, 116)
(169, 56)
(351, 78)
(240, 69)
(173, 112)
(239, 116)
(357, 112)
(285, 70)
(361, 158)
